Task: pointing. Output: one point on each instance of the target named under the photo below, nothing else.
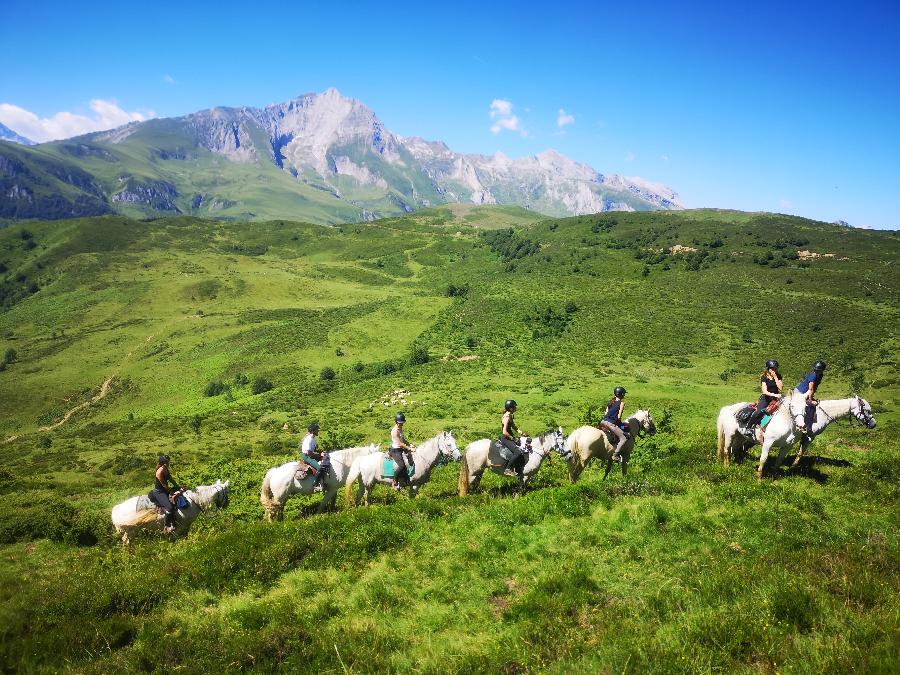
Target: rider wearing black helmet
(770, 384)
(612, 421)
(804, 395)
(164, 496)
(309, 452)
(400, 450)
(509, 434)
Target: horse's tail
(265, 494)
(463, 475)
(575, 462)
(720, 452)
(352, 475)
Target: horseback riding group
(774, 420)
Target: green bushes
(261, 385)
(327, 373)
(40, 514)
(214, 388)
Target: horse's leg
(475, 480)
(624, 468)
(781, 454)
(609, 464)
(763, 456)
(804, 444)
(368, 495)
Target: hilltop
(217, 342)
(323, 158)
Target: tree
(10, 356)
(261, 385)
(195, 423)
(327, 373)
(418, 355)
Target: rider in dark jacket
(805, 393)
(612, 421)
(770, 384)
(509, 436)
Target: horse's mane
(347, 455)
(549, 432)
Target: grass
(683, 567)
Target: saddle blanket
(504, 454)
(389, 468)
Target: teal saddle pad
(390, 468)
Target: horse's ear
(227, 482)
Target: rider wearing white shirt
(309, 451)
(401, 449)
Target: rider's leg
(401, 474)
(620, 436)
(515, 454)
(809, 417)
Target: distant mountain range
(7, 134)
(321, 157)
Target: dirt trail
(104, 390)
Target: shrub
(471, 342)
(240, 379)
(44, 442)
(25, 235)
(327, 373)
(214, 388)
(262, 385)
(11, 356)
(338, 351)
(29, 244)
(195, 423)
(571, 307)
(358, 367)
(418, 355)
(454, 291)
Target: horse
(483, 454)
(368, 469)
(588, 442)
(732, 443)
(138, 513)
(280, 482)
(781, 431)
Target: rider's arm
(621, 409)
(811, 391)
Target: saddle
(610, 436)
(389, 468)
(303, 471)
(745, 414)
(505, 454)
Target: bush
(11, 356)
(240, 380)
(195, 423)
(262, 385)
(214, 388)
(470, 342)
(358, 367)
(454, 291)
(338, 351)
(327, 373)
(44, 442)
(418, 355)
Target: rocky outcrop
(158, 195)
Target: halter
(444, 456)
(558, 445)
(641, 432)
(863, 417)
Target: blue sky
(765, 107)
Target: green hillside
(683, 566)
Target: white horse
(484, 454)
(781, 432)
(588, 442)
(369, 469)
(280, 481)
(732, 443)
(140, 512)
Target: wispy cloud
(664, 158)
(785, 203)
(629, 156)
(503, 117)
(562, 119)
(106, 115)
(168, 79)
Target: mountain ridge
(322, 157)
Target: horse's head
(645, 421)
(447, 446)
(863, 412)
(223, 494)
(559, 444)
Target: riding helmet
(312, 428)
(819, 366)
(399, 418)
(771, 364)
(619, 391)
(509, 405)
(163, 459)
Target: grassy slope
(685, 566)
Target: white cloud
(106, 115)
(785, 203)
(502, 114)
(168, 79)
(562, 119)
(664, 158)
(629, 156)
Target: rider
(612, 421)
(805, 394)
(508, 432)
(770, 384)
(309, 452)
(164, 496)
(400, 450)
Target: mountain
(7, 134)
(320, 157)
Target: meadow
(218, 342)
